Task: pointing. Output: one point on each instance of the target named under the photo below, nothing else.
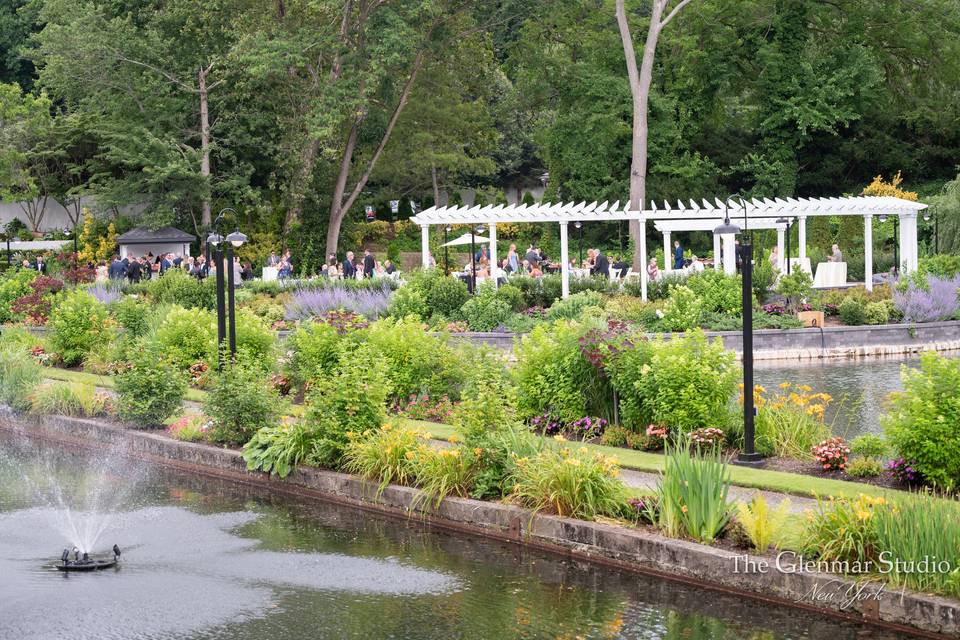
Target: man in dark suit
(134, 271)
(369, 264)
(41, 266)
(601, 266)
(349, 271)
(116, 269)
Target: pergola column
(729, 254)
(802, 239)
(425, 246)
(868, 251)
(564, 261)
(716, 252)
(781, 233)
(667, 262)
(493, 253)
(643, 258)
(908, 242)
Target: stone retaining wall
(633, 549)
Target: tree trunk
(339, 207)
(300, 184)
(205, 218)
(640, 90)
(436, 187)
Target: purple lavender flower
(104, 293)
(309, 303)
(937, 302)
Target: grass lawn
(779, 481)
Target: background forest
(301, 113)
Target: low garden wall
(814, 343)
(633, 549)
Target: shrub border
(631, 549)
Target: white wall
(138, 250)
(55, 217)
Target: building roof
(143, 235)
(755, 209)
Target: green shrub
(19, 375)
(552, 374)
(789, 421)
(763, 279)
(488, 400)
(443, 472)
(264, 307)
(149, 391)
(255, 340)
(74, 399)
(314, 352)
(512, 296)
(415, 361)
(692, 495)
(485, 311)
(852, 311)
(870, 445)
(864, 468)
(941, 265)
(408, 301)
(570, 308)
(176, 287)
(796, 287)
(922, 421)
(278, 449)
(446, 295)
(495, 474)
(384, 455)
(239, 404)
(572, 483)
(187, 336)
(341, 406)
(19, 338)
(876, 313)
(718, 292)
(78, 323)
(686, 386)
(14, 284)
(761, 524)
(683, 310)
(132, 314)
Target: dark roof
(142, 235)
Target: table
(795, 264)
(270, 274)
(830, 274)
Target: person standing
(532, 257)
(273, 260)
(348, 268)
(42, 266)
(601, 266)
(369, 264)
(513, 260)
(836, 256)
(134, 271)
(677, 255)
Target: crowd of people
(352, 268)
(145, 267)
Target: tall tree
(661, 14)
(25, 122)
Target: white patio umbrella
(465, 239)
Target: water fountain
(85, 562)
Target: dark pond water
(860, 388)
(208, 559)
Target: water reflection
(207, 559)
(860, 388)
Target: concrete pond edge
(637, 550)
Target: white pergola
(703, 216)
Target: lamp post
(225, 300)
(446, 250)
(936, 229)
(472, 280)
(896, 245)
(748, 456)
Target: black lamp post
(748, 456)
(473, 260)
(225, 299)
(936, 230)
(579, 227)
(446, 250)
(896, 244)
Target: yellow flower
(805, 388)
(455, 453)
(573, 462)
(559, 438)
(863, 515)
(387, 427)
(784, 385)
(410, 455)
(683, 508)
(453, 439)
(477, 451)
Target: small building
(141, 241)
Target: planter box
(811, 318)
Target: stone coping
(639, 550)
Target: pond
(860, 388)
(208, 559)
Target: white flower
(659, 313)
